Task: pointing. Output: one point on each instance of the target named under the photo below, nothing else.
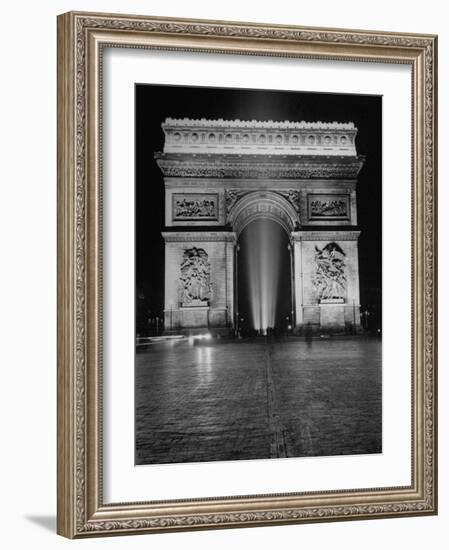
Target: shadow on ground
(46, 522)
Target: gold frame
(81, 37)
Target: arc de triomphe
(219, 176)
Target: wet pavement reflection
(253, 399)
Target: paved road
(248, 400)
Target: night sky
(154, 103)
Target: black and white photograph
(258, 274)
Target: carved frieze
(328, 206)
(330, 279)
(198, 236)
(191, 207)
(194, 280)
(265, 168)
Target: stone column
(352, 306)
(229, 260)
(292, 286)
(236, 288)
(297, 282)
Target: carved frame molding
(81, 37)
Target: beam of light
(262, 241)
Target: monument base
(332, 316)
(197, 319)
(195, 316)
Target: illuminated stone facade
(221, 175)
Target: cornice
(247, 137)
(254, 124)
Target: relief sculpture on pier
(330, 278)
(194, 281)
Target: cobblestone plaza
(254, 399)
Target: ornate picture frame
(82, 39)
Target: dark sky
(155, 103)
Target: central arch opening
(264, 279)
